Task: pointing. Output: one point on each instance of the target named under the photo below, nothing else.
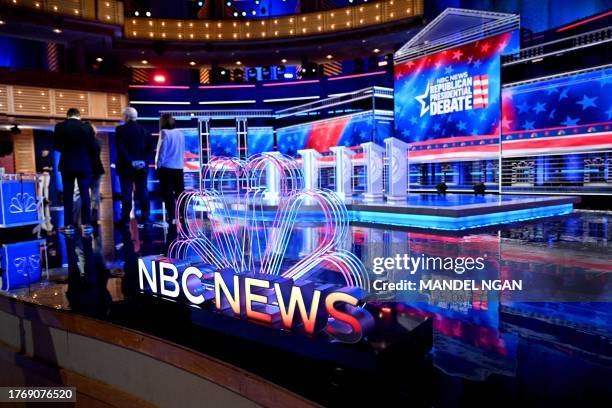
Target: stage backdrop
(350, 130)
(453, 98)
(571, 113)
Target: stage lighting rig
(266, 73)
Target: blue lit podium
(20, 262)
(18, 200)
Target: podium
(310, 168)
(21, 263)
(273, 178)
(344, 171)
(397, 182)
(373, 158)
(18, 203)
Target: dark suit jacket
(96, 163)
(75, 141)
(133, 143)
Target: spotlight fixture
(228, 3)
(148, 14)
(136, 13)
(223, 72)
(57, 31)
(253, 12)
(159, 78)
(192, 63)
(243, 14)
(238, 62)
(266, 73)
(329, 56)
(2, 22)
(200, 3)
(252, 74)
(376, 50)
(257, 2)
(144, 62)
(284, 61)
(238, 75)
(99, 59)
(235, 14)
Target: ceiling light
(238, 63)
(192, 63)
(144, 62)
(57, 31)
(376, 50)
(136, 13)
(243, 13)
(329, 56)
(2, 22)
(99, 59)
(148, 14)
(235, 14)
(284, 61)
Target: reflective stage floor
(485, 344)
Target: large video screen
(260, 140)
(223, 142)
(451, 93)
(349, 130)
(192, 145)
(563, 114)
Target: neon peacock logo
(233, 248)
(22, 203)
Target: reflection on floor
(484, 342)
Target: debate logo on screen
(455, 93)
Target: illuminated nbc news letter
(231, 246)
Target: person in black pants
(169, 162)
(75, 142)
(133, 155)
(96, 179)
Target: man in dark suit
(76, 144)
(133, 157)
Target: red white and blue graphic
(223, 142)
(453, 93)
(192, 147)
(347, 131)
(260, 140)
(565, 114)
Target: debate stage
(453, 212)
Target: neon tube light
(296, 98)
(356, 75)
(159, 103)
(588, 20)
(225, 102)
(311, 81)
(224, 86)
(159, 86)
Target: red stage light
(159, 78)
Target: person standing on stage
(75, 141)
(133, 155)
(169, 162)
(97, 170)
(44, 167)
